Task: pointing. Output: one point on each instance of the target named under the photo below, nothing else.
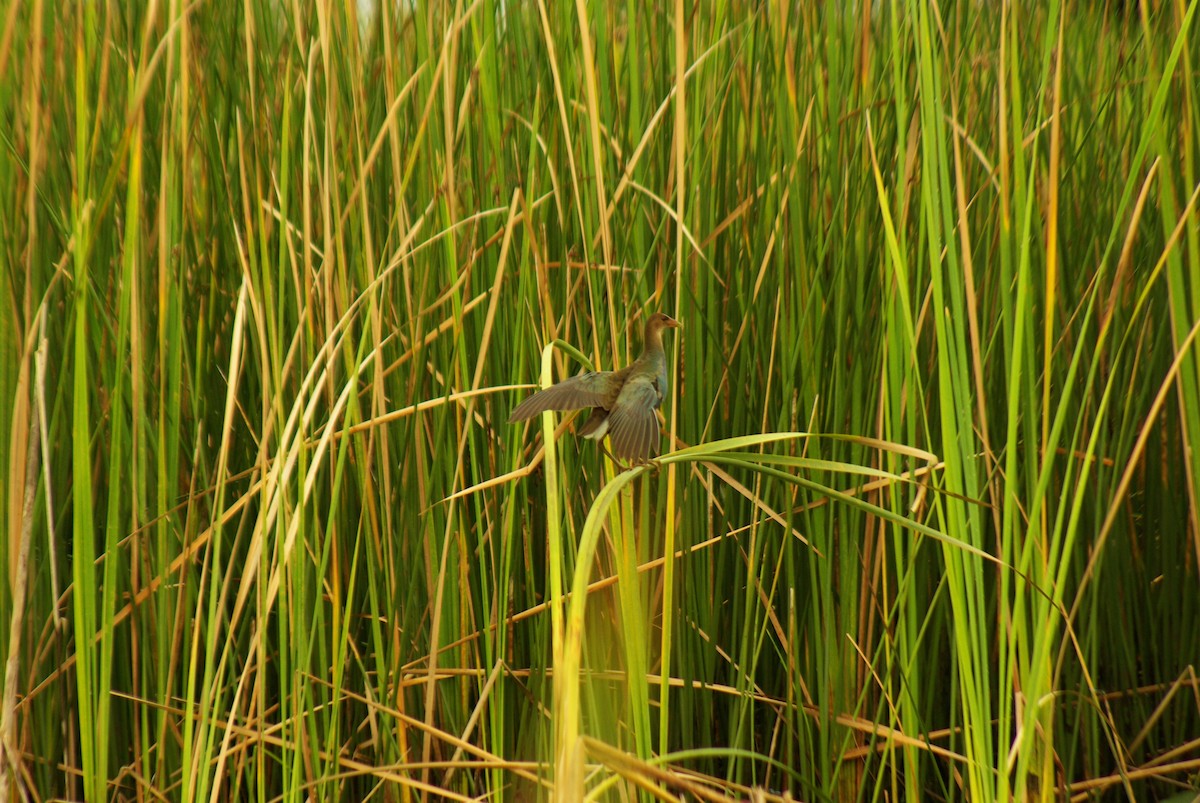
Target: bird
(623, 402)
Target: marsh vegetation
(925, 521)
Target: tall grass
(275, 273)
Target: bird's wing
(632, 425)
(592, 389)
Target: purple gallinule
(623, 402)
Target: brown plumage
(623, 402)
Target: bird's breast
(664, 386)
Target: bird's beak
(674, 324)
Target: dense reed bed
(276, 272)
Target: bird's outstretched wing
(591, 389)
(632, 425)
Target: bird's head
(661, 320)
(655, 325)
